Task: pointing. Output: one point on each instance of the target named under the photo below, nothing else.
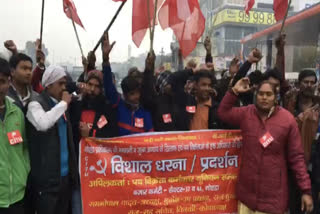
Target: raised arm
(38, 71)
(226, 111)
(109, 87)
(208, 47)
(254, 57)
(148, 92)
(11, 46)
(280, 60)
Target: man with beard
(52, 154)
(302, 104)
(91, 116)
(271, 146)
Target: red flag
(249, 5)
(140, 20)
(280, 9)
(71, 11)
(186, 20)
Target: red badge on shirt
(139, 123)
(87, 117)
(102, 122)
(191, 109)
(167, 118)
(266, 140)
(14, 137)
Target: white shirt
(42, 120)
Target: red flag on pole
(71, 11)
(140, 19)
(249, 5)
(280, 9)
(186, 20)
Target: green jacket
(14, 160)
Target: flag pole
(154, 23)
(110, 24)
(41, 28)
(149, 23)
(76, 32)
(285, 17)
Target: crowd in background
(44, 114)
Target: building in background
(227, 23)
(302, 41)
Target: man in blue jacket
(132, 118)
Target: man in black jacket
(158, 98)
(92, 115)
(176, 110)
(52, 154)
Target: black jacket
(13, 96)
(101, 107)
(174, 105)
(44, 149)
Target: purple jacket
(263, 178)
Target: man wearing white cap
(52, 152)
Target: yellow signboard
(239, 16)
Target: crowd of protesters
(44, 114)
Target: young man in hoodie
(132, 118)
(14, 155)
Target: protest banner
(179, 172)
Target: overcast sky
(20, 21)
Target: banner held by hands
(110, 24)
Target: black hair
(306, 73)
(202, 74)
(4, 67)
(129, 84)
(273, 87)
(274, 73)
(133, 71)
(256, 77)
(17, 58)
